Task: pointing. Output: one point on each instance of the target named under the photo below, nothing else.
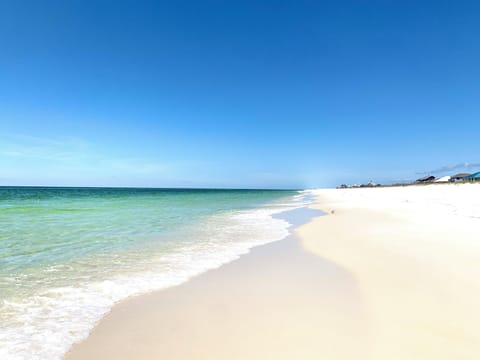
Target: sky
(267, 94)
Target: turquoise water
(68, 254)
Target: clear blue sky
(237, 93)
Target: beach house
(459, 177)
(473, 177)
(425, 179)
(444, 179)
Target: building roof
(443, 179)
(460, 175)
(426, 178)
(473, 176)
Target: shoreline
(245, 294)
(90, 253)
(387, 273)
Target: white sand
(401, 282)
(415, 252)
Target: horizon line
(148, 187)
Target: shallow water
(68, 254)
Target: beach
(387, 273)
(261, 306)
(239, 180)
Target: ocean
(67, 255)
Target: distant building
(443, 179)
(425, 179)
(459, 177)
(473, 177)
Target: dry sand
(415, 253)
(390, 273)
